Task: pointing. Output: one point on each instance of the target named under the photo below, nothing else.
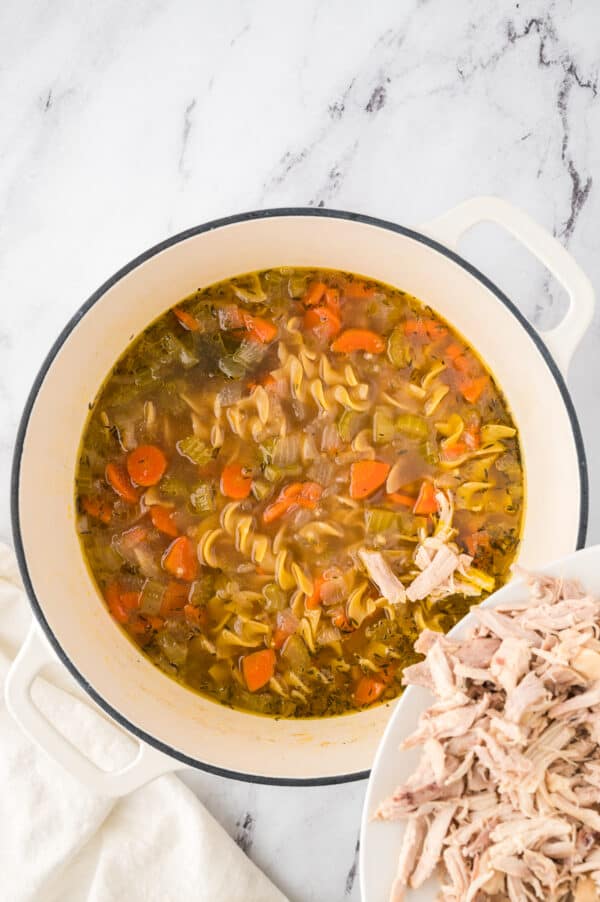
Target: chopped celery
(276, 597)
(202, 499)
(249, 354)
(297, 286)
(398, 349)
(171, 485)
(412, 425)
(202, 590)
(383, 427)
(379, 520)
(195, 450)
(231, 368)
(349, 424)
(151, 597)
(266, 450)
(260, 489)
(430, 452)
(273, 474)
(248, 288)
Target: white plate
(380, 842)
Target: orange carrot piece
(156, 622)
(97, 508)
(331, 299)
(262, 330)
(368, 689)
(280, 637)
(366, 476)
(314, 294)
(195, 615)
(359, 340)
(118, 479)
(426, 503)
(186, 319)
(175, 597)
(134, 536)
(275, 510)
(146, 464)
(477, 541)
(162, 519)
(358, 291)
(180, 559)
(233, 482)
(471, 389)
(424, 328)
(120, 603)
(258, 668)
(340, 619)
(401, 498)
(315, 599)
(300, 494)
(324, 322)
(472, 437)
(454, 451)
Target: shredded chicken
(506, 799)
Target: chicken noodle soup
(289, 475)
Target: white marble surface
(122, 123)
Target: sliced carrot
(314, 294)
(275, 510)
(400, 498)
(162, 519)
(146, 464)
(358, 291)
(156, 622)
(366, 476)
(97, 508)
(234, 484)
(472, 437)
(297, 494)
(120, 603)
(314, 601)
(368, 689)
(324, 322)
(340, 619)
(118, 479)
(262, 330)
(471, 389)
(331, 299)
(454, 451)
(359, 340)
(258, 668)
(456, 354)
(426, 503)
(230, 317)
(197, 616)
(180, 559)
(186, 319)
(477, 541)
(175, 597)
(133, 537)
(424, 328)
(280, 637)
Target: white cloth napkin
(61, 843)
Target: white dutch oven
(174, 725)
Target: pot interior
(188, 724)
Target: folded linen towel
(61, 843)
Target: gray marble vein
(122, 123)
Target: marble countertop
(123, 123)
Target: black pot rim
(95, 297)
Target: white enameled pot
(175, 726)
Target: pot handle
(33, 655)
(563, 339)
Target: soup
(289, 475)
